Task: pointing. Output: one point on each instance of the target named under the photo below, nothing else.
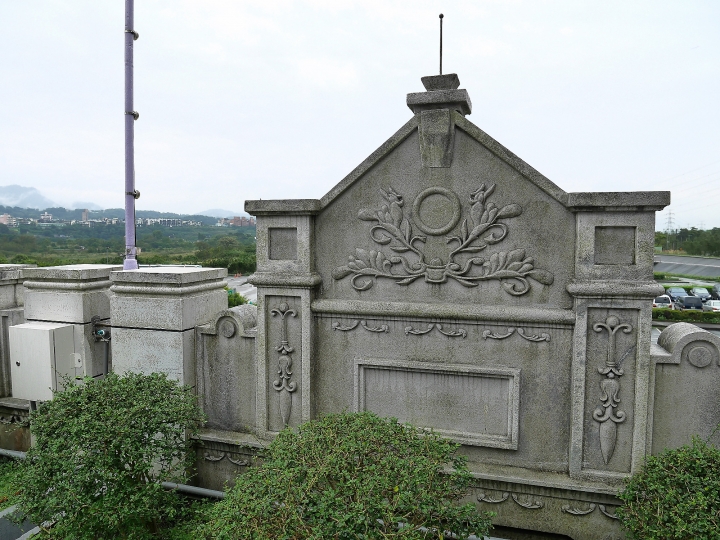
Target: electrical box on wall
(40, 354)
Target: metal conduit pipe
(182, 488)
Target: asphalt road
(693, 266)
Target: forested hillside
(229, 247)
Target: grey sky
(281, 99)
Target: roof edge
(618, 201)
(385, 148)
(288, 207)
(534, 176)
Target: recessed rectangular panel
(472, 405)
(615, 245)
(282, 243)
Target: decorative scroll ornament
(449, 333)
(238, 462)
(606, 513)
(283, 383)
(532, 337)
(492, 335)
(529, 504)
(481, 227)
(483, 497)
(610, 387)
(576, 511)
(354, 324)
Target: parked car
(715, 291)
(700, 292)
(663, 301)
(676, 293)
(689, 302)
(712, 305)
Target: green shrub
(235, 299)
(664, 314)
(676, 496)
(351, 476)
(101, 450)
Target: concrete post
(72, 294)
(155, 311)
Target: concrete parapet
(155, 311)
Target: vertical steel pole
(441, 18)
(130, 262)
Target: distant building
(46, 217)
(238, 221)
(85, 214)
(7, 219)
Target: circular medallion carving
(227, 328)
(700, 354)
(455, 208)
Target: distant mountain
(220, 213)
(23, 197)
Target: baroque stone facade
(449, 284)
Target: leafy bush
(351, 476)
(101, 450)
(675, 496)
(664, 314)
(235, 299)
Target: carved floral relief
(283, 384)
(608, 414)
(482, 225)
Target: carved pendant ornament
(606, 414)
(482, 226)
(283, 384)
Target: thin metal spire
(441, 18)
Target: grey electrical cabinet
(40, 354)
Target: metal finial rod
(441, 18)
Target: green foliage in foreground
(351, 476)
(676, 496)
(101, 450)
(8, 471)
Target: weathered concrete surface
(446, 282)
(154, 313)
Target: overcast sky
(281, 99)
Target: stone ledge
(458, 100)
(609, 201)
(267, 279)
(615, 289)
(234, 438)
(168, 275)
(287, 207)
(72, 272)
(472, 312)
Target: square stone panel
(615, 245)
(282, 243)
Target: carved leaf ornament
(481, 227)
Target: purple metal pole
(130, 262)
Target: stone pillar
(155, 311)
(11, 313)
(72, 294)
(613, 291)
(286, 282)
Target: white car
(711, 305)
(663, 301)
